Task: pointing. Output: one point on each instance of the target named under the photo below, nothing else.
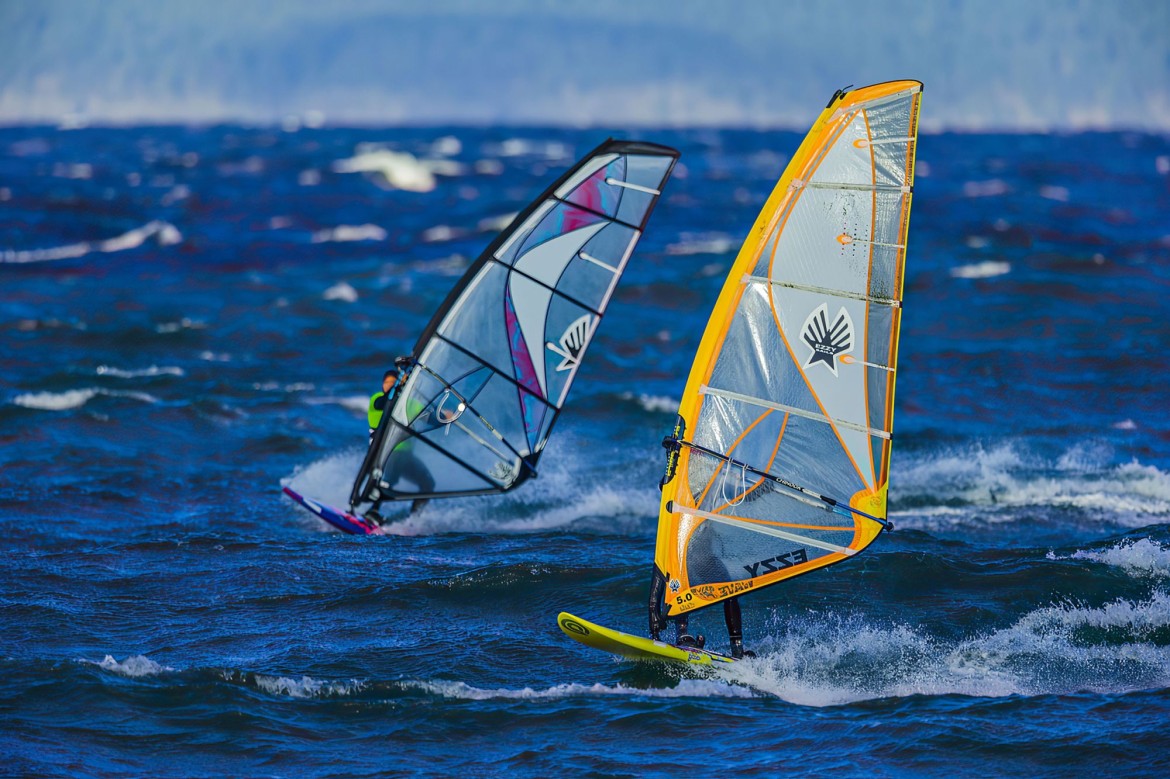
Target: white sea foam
(523, 147)
(822, 660)
(990, 188)
(1142, 557)
(981, 270)
(657, 404)
(687, 688)
(441, 233)
(707, 243)
(179, 326)
(71, 399)
(350, 233)
(135, 666)
(996, 483)
(307, 687)
(341, 291)
(154, 370)
(164, 233)
(395, 170)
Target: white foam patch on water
(1142, 557)
(998, 482)
(395, 170)
(341, 291)
(135, 666)
(350, 233)
(164, 233)
(981, 270)
(1052, 650)
(657, 404)
(71, 399)
(687, 688)
(705, 243)
(307, 687)
(154, 370)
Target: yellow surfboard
(634, 647)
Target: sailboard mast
(491, 372)
(779, 462)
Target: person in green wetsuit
(403, 463)
(378, 400)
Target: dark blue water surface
(191, 318)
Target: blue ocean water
(192, 317)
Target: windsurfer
(405, 465)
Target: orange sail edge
(872, 502)
(671, 550)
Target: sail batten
(491, 372)
(806, 325)
(841, 293)
(762, 403)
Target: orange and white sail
(780, 460)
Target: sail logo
(827, 342)
(572, 342)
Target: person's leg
(684, 637)
(734, 619)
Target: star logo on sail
(572, 342)
(827, 342)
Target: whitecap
(341, 291)
(990, 188)
(981, 270)
(656, 404)
(164, 233)
(348, 233)
(829, 660)
(135, 666)
(1142, 557)
(713, 243)
(687, 688)
(307, 687)
(154, 370)
(396, 170)
(55, 401)
(71, 399)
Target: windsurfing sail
(491, 372)
(779, 461)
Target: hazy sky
(987, 64)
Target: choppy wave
(307, 686)
(350, 233)
(134, 666)
(165, 233)
(686, 688)
(138, 373)
(982, 270)
(1141, 557)
(341, 291)
(655, 404)
(1121, 646)
(71, 399)
(997, 481)
(397, 170)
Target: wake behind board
(339, 519)
(635, 647)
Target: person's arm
(380, 402)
